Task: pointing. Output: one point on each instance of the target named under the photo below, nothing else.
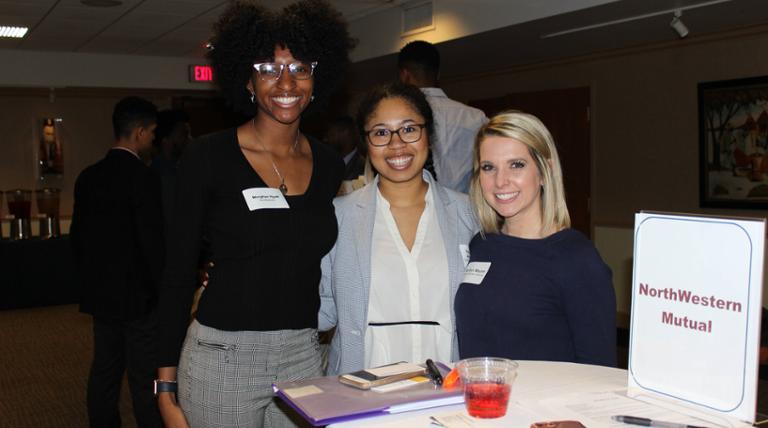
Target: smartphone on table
(368, 378)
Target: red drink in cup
(487, 400)
(20, 209)
(487, 385)
(19, 203)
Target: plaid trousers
(225, 377)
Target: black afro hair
(247, 32)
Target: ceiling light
(102, 3)
(14, 32)
(677, 24)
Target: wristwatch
(165, 386)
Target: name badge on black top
(475, 272)
(259, 198)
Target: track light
(678, 25)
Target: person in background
(455, 123)
(540, 290)
(117, 243)
(342, 135)
(172, 135)
(389, 282)
(261, 195)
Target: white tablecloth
(550, 391)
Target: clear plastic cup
(487, 383)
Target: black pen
(434, 372)
(634, 420)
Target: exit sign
(200, 73)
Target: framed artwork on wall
(733, 143)
(50, 154)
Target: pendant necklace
(283, 188)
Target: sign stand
(696, 306)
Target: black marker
(434, 372)
(634, 420)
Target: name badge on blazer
(475, 272)
(259, 198)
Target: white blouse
(408, 286)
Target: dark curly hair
(246, 32)
(409, 93)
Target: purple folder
(325, 400)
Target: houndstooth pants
(225, 377)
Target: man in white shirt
(456, 124)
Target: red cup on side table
(20, 207)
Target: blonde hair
(528, 130)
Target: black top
(267, 261)
(541, 299)
(117, 237)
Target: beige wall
(644, 117)
(25, 68)
(615, 245)
(379, 33)
(86, 135)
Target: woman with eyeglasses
(261, 195)
(388, 284)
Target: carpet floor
(45, 354)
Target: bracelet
(165, 386)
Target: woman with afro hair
(261, 195)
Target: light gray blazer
(346, 280)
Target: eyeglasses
(380, 137)
(269, 71)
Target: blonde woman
(540, 290)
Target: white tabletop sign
(696, 306)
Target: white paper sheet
(596, 409)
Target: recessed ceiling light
(15, 32)
(101, 3)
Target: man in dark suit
(117, 239)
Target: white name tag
(259, 198)
(475, 272)
(464, 252)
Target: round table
(543, 391)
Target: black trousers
(121, 346)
